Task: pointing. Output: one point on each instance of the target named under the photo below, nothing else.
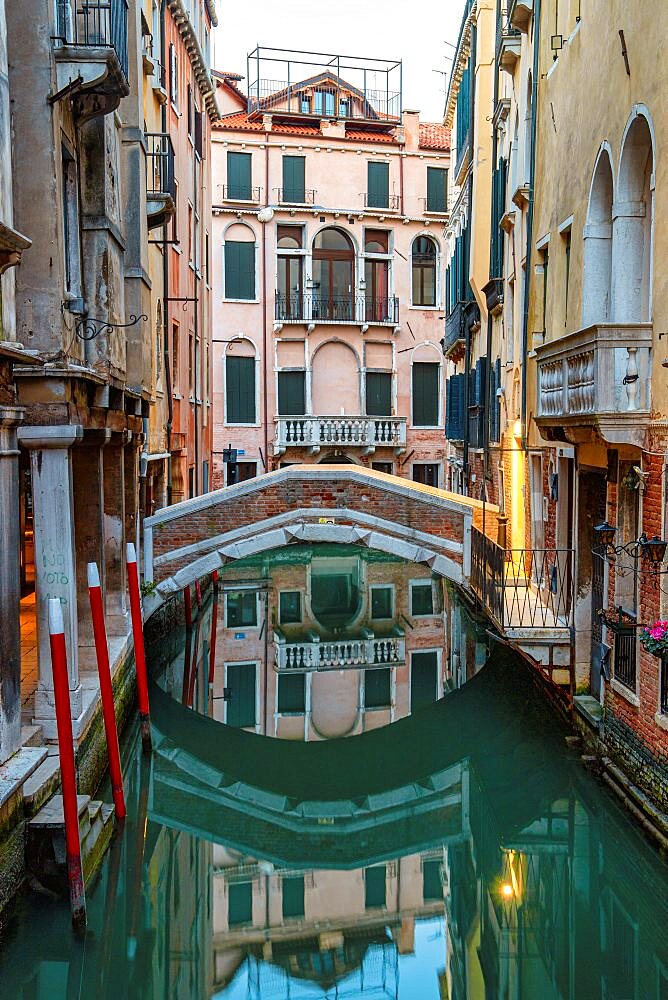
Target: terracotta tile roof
(369, 136)
(434, 136)
(220, 74)
(239, 121)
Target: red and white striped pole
(214, 627)
(61, 691)
(140, 655)
(106, 690)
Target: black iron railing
(337, 308)
(390, 205)
(241, 192)
(96, 23)
(522, 588)
(296, 196)
(160, 165)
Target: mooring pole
(140, 655)
(61, 692)
(214, 628)
(188, 605)
(106, 689)
(198, 593)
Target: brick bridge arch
(345, 504)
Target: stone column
(10, 585)
(55, 562)
(87, 467)
(628, 256)
(114, 535)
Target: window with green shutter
(374, 887)
(432, 886)
(294, 183)
(239, 903)
(422, 598)
(240, 695)
(239, 270)
(239, 176)
(379, 394)
(378, 190)
(378, 687)
(292, 394)
(240, 390)
(241, 609)
(289, 607)
(293, 896)
(424, 679)
(292, 693)
(426, 376)
(437, 189)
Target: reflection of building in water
(315, 643)
(272, 925)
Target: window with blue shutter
(455, 393)
(374, 887)
(294, 190)
(293, 896)
(240, 390)
(379, 394)
(378, 190)
(239, 270)
(426, 377)
(292, 394)
(437, 189)
(239, 176)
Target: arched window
(333, 276)
(598, 246)
(424, 271)
(377, 260)
(632, 227)
(240, 263)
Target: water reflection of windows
(432, 885)
(382, 601)
(422, 599)
(293, 897)
(241, 609)
(239, 903)
(290, 607)
(291, 694)
(378, 688)
(374, 887)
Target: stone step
(46, 840)
(31, 735)
(41, 785)
(96, 846)
(51, 816)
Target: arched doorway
(333, 276)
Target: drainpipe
(143, 468)
(165, 281)
(265, 366)
(467, 361)
(532, 175)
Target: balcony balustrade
(597, 377)
(314, 433)
(160, 180)
(391, 205)
(91, 55)
(296, 196)
(240, 192)
(315, 308)
(318, 654)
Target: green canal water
(368, 800)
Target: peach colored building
(329, 202)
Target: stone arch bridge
(344, 504)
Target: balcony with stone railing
(597, 378)
(365, 433)
(339, 654)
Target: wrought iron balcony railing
(391, 205)
(296, 196)
(241, 192)
(316, 308)
(523, 588)
(160, 164)
(364, 432)
(95, 23)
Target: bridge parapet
(345, 504)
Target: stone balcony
(319, 654)
(360, 432)
(596, 379)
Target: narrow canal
(369, 800)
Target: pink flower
(658, 630)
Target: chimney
(411, 124)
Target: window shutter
(432, 886)
(291, 394)
(292, 692)
(379, 394)
(436, 189)
(241, 706)
(374, 887)
(199, 132)
(240, 903)
(425, 394)
(239, 270)
(448, 408)
(378, 688)
(293, 896)
(457, 384)
(294, 179)
(240, 386)
(239, 176)
(379, 185)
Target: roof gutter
(200, 68)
